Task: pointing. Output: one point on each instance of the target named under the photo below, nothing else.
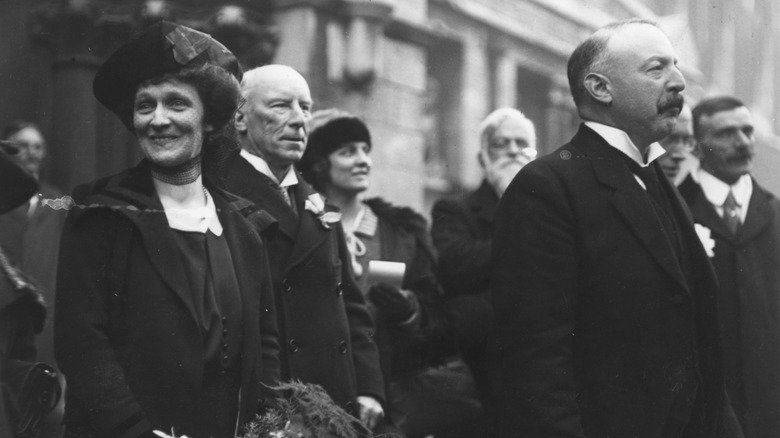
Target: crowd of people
(597, 291)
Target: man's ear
(239, 120)
(599, 87)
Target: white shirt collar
(715, 190)
(619, 140)
(262, 166)
(200, 219)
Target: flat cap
(163, 47)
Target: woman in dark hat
(412, 325)
(164, 304)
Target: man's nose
(297, 116)
(743, 140)
(676, 80)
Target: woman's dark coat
(404, 238)
(131, 347)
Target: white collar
(262, 166)
(619, 140)
(199, 219)
(716, 190)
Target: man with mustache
(744, 223)
(603, 295)
(325, 329)
(462, 231)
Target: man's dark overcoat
(462, 231)
(748, 268)
(595, 319)
(325, 329)
(131, 348)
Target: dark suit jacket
(462, 231)
(748, 269)
(595, 320)
(131, 348)
(326, 329)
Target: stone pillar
(506, 82)
(299, 32)
(364, 40)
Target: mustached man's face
(645, 82)
(727, 143)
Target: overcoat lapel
(263, 191)
(759, 215)
(630, 201)
(152, 224)
(706, 215)
(311, 232)
(483, 202)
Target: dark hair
(217, 88)
(330, 130)
(592, 52)
(711, 105)
(15, 126)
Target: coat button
(339, 289)
(286, 285)
(224, 320)
(343, 347)
(677, 299)
(224, 347)
(293, 346)
(224, 333)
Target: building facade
(422, 73)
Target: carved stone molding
(98, 27)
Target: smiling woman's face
(350, 167)
(168, 121)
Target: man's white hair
(491, 123)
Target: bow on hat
(162, 48)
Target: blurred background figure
(22, 316)
(31, 235)
(743, 219)
(429, 389)
(462, 233)
(679, 145)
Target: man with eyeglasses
(679, 144)
(462, 231)
(743, 220)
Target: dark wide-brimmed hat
(329, 130)
(16, 185)
(162, 48)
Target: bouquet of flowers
(305, 411)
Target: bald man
(326, 331)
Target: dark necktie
(660, 203)
(731, 213)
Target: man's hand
(396, 304)
(501, 172)
(371, 411)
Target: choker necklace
(185, 173)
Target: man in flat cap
(325, 328)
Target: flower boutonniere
(705, 235)
(315, 204)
